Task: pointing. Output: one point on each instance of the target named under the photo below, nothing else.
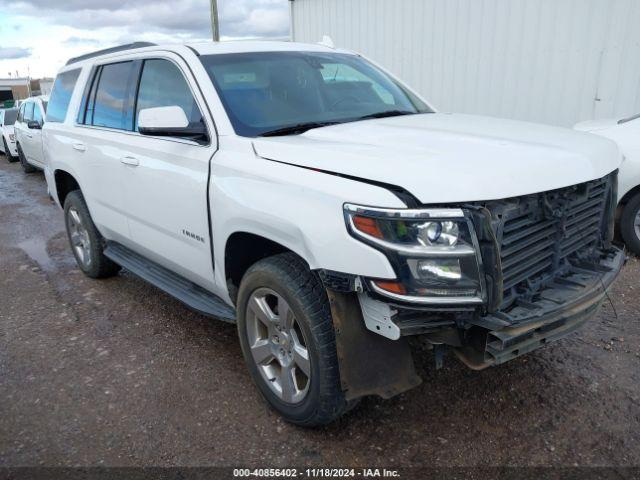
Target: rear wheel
(86, 242)
(630, 224)
(288, 342)
(26, 166)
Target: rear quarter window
(61, 95)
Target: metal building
(12, 90)
(550, 61)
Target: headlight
(433, 251)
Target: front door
(165, 179)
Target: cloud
(81, 41)
(254, 18)
(188, 18)
(13, 53)
(53, 31)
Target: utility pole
(215, 29)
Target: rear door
(166, 178)
(101, 141)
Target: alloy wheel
(79, 236)
(278, 346)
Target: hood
(596, 125)
(442, 158)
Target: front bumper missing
(371, 364)
(560, 309)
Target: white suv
(311, 197)
(28, 131)
(626, 133)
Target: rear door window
(112, 106)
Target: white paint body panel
(627, 136)
(442, 158)
(550, 61)
(439, 158)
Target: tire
(7, 152)
(289, 278)
(26, 166)
(86, 243)
(630, 224)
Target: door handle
(134, 162)
(29, 135)
(81, 147)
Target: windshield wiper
(298, 128)
(386, 113)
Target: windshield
(10, 116)
(268, 92)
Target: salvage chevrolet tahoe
(307, 195)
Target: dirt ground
(114, 372)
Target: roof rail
(120, 48)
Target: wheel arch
(242, 250)
(629, 195)
(65, 183)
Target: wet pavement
(114, 372)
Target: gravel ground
(114, 372)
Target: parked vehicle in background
(309, 196)
(28, 131)
(8, 142)
(626, 133)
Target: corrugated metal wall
(550, 61)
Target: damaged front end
(521, 273)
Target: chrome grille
(540, 233)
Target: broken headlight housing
(434, 253)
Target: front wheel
(26, 166)
(630, 224)
(288, 342)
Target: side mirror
(168, 122)
(33, 125)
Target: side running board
(179, 287)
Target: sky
(38, 36)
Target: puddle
(36, 248)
